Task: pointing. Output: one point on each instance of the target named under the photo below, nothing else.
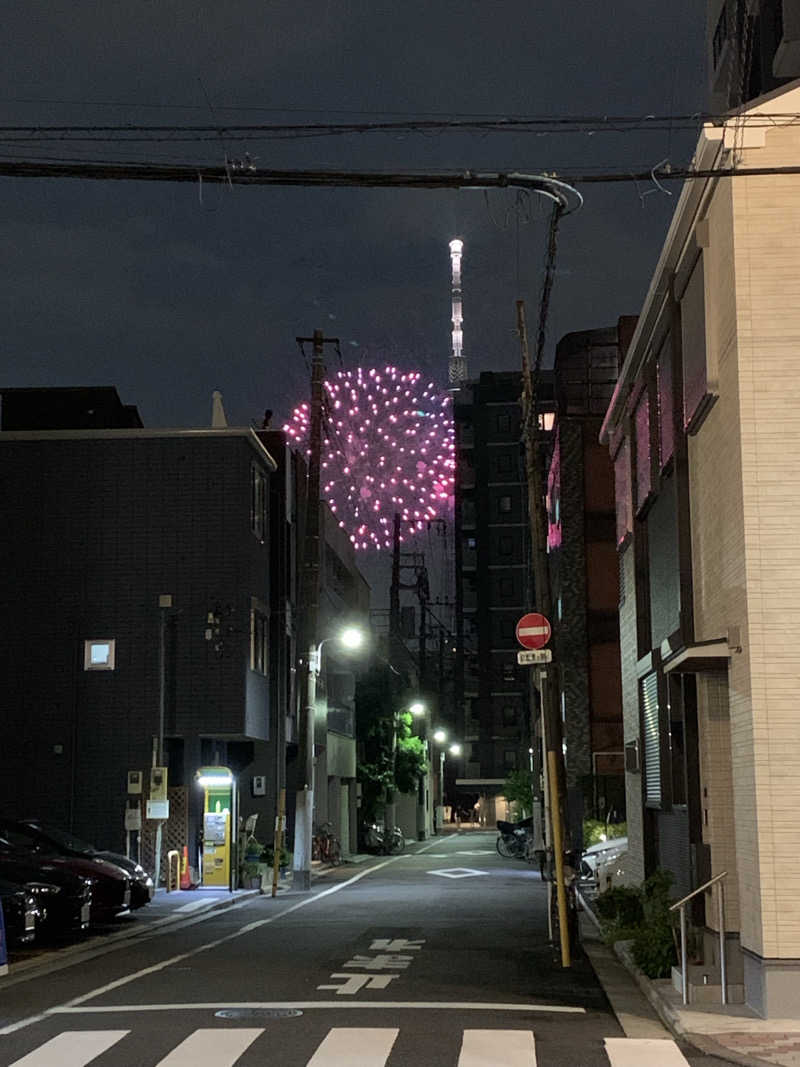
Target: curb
(54, 957)
(671, 1018)
(666, 1013)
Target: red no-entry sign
(533, 630)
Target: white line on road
(211, 1048)
(72, 1049)
(325, 1005)
(512, 1048)
(644, 1051)
(343, 1047)
(22, 1023)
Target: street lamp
(350, 638)
(418, 710)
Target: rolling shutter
(652, 739)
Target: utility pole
(309, 621)
(551, 717)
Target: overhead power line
(550, 184)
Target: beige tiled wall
(745, 510)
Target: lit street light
(350, 639)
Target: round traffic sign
(533, 630)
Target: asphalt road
(437, 957)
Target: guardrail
(681, 904)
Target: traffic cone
(186, 877)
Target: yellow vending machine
(217, 784)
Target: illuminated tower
(458, 364)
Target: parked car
(67, 844)
(63, 898)
(111, 887)
(601, 853)
(21, 913)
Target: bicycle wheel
(334, 852)
(397, 842)
(507, 847)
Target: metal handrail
(700, 889)
(723, 968)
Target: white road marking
(476, 852)
(362, 1047)
(458, 872)
(211, 1048)
(246, 929)
(193, 905)
(73, 1048)
(497, 1048)
(325, 1005)
(644, 1052)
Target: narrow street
(439, 956)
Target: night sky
(147, 288)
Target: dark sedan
(21, 913)
(111, 887)
(40, 835)
(63, 898)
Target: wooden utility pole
(309, 620)
(551, 716)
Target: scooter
(375, 839)
(514, 838)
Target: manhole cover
(258, 1013)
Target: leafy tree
(518, 791)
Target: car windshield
(64, 839)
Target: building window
(504, 505)
(505, 545)
(506, 588)
(258, 502)
(666, 434)
(510, 759)
(547, 420)
(644, 481)
(509, 715)
(700, 384)
(99, 653)
(503, 423)
(505, 462)
(651, 730)
(259, 630)
(622, 490)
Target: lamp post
(350, 638)
(440, 737)
(418, 710)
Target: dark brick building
(98, 523)
(583, 571)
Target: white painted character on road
(356, 982)
(384, 962)
(398, 944)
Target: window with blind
(644, 480)
(622, 490)
(666, 431)
(651, 738)
(699, 380)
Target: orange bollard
(186, 878)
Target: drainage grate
(258, 1013)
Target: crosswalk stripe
(72, 1048)
(211, 1048)
(498, 1048)
(644, 1052)
(355, 1047)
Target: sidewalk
(733, 1033)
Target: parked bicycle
(325, 847)
(573, 923)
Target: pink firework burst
(388, 447)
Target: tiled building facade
(704, 432)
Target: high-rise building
(493, 578)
